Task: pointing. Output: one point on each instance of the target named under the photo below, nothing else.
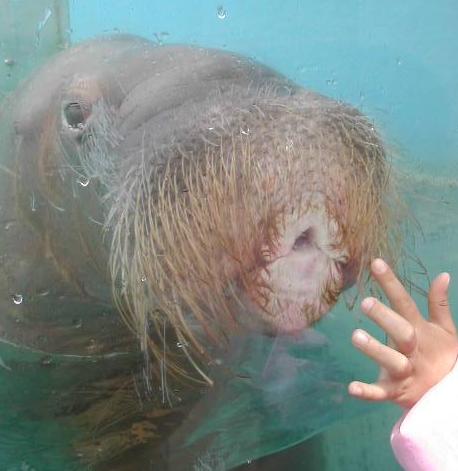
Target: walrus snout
(153, 167)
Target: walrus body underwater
(195, 190)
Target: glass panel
(174, 218)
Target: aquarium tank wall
(168, 172)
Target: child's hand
(421, 352)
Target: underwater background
(397, 63)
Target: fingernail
(446, 277)
(379, 266)
(355, 389)
(367, 304)
(360, 338)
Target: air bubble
(221, 13)
(9, 62)
(398, 61)
(17, 299)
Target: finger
(399, 298)
(400, 331)
(439, 309)
(395, 363)
(368, 392)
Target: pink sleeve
(426, 436)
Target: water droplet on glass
(42, 339)
(161, 36)
(44, 21)
(17, 298)
(77, 323)
(83, 181)
(221, 13)
(331, 82)
(26, 467)
(33, 203)
(46, 360)
(158, 39)
(92, 346)
(338, 398)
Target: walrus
(194, 191)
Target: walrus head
(231, 197)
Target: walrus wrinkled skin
(194, 191)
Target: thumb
(439, 308)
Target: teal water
(395, 62)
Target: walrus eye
(74, 115)
(305, 240)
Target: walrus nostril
(305, 240)
(74, 115)
(349, 271)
